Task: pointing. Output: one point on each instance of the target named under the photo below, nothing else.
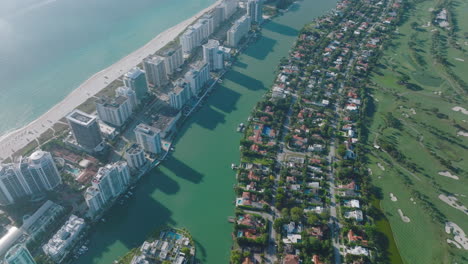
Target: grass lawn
(427, 138)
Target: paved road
(334, 224)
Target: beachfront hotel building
(254, 10)
(40, 172)
(130, 94)
(19, 254)
(180, 94)
(213, 56)
(114, 111)
(110, 181)
(149, 138)
(85, 130)
(196, 34)
(135, 156)
(62, 241)
(136, 79)
(240, 29)
(197, 76)
(30, 176)
(155, 70)
(173, 59)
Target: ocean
(49, 47)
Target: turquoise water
(193, 187)
(49, 47)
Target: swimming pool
(266, 130)
(73, 171)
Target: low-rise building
(62, 241)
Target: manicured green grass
(428, 131)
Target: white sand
(453, 202)
(448, 174)
(459, 59)
(460, 109)
(17, 139)
(449, 241)
(381, 166)
(403, 217)
(393, 197)
(459, 234)
(462, 133)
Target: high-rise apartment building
(43, 170)
(130, 94)
(135, 156)
(173, 59)
(254, 10)
(197, 76)
(155, 70)
(197, 33)
(240, 28)
(213, 56)
(136, 79)
(114, 111)
(149, 138)
(19, 254)
(30, 176)
(85, 129)
(180, 94)
(110, 181)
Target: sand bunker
(460, 109)
(393, 197)
(459, 59)
(459, 235)
(381, 166)
(448, 174)
(453, 201)
(462, 133)
(413, 111)
(404, 218)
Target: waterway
(193, 187)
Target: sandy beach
(15, 140)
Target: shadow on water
(240, 64)
(245, 80)
(210, 118)
(263, 47)
(226, 99)
(201, 254)
(140, 215)
(281, 29)
(181, 170)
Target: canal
(193, 187)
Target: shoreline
(17, 139)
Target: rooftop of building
(71, 226)
(111, 102)
(211, 44)
(146, 129)
(134, 149)
(78, 116)
(165, 116)
(171, 51)
(134, 73)
(154, 59)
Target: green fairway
(421, 77)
